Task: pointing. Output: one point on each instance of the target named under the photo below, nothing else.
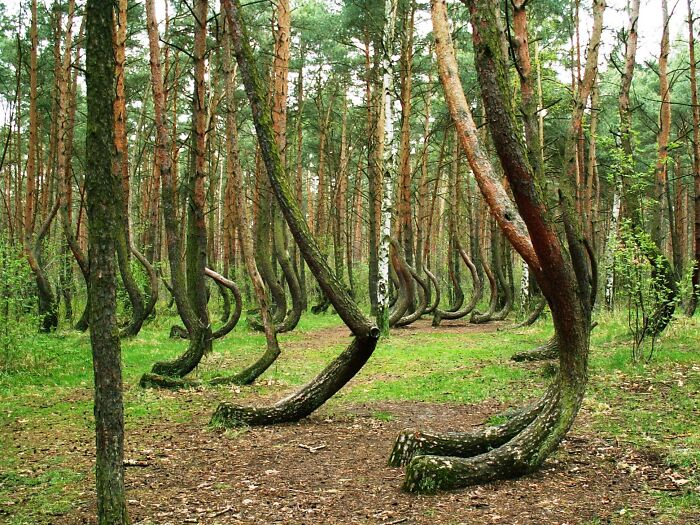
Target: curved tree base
(179, 332)
(232, 320)
(309, 398)
(246, 377)
(518, 447)
(549, 350)
(293, 315)
(200, 344)
(322, 307)
(440, 315)
(436, 286)
(422, 302)
(411, 443)
(142, 313)
(226, 300)
(534, 315)
(84, 323)
(477, 317)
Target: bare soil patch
(331, 468)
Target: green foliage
(18, 319)
(642, 287)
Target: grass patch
(652, 406)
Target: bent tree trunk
(436, 286)
(366, 334)
(199, 336)
(534, 315)
(505, 286)
(549, 350)
(48, 304)
(235, 178)
(478, 318)
(423, 296)
(498, 453)
(405, 288)
(439, 315)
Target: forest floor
(633, 456)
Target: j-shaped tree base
(411, 443)
(549, 350)
(519, 446)
(302, 403)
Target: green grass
(648, 405)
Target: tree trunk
(103, 215)
(48, 305)
(440, 315)
(199, 339)
(375, 127)
(521, 447)
(345, 366)
(695, 297)
(405, 212)
(389, 164)
(664, 282)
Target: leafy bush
(18, 317)
(641, 286)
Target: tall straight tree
(48, 305)
(389, 163)
(695, 298)
(627, 150)
(102, 184)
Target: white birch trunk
(390, 7)
(525, 288)
(610, 248)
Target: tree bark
(388, 165)
(695, 297)
(103, 216)
(499, 454)
(198, 332)
(345, 366)
(48, 305)
(440, 315)
(405, 212)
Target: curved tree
(234, 174)
(436, 286)
(366, 334)
(522, 443)
(440, 315)
(191, 301)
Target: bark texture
(101, 185)
(559, 273)
(366, 334)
